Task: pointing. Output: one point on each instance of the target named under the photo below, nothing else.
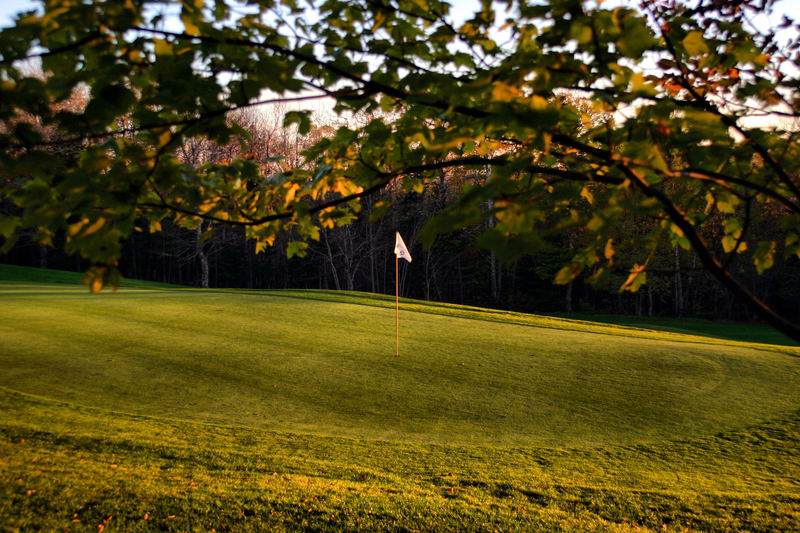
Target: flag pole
(396, 306)
(400, 250)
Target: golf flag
(400, 249)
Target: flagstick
(396, 307)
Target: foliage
(486, 91)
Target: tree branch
(66, 48)
(168, 124)
(709, 261)
(726, 120)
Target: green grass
(249, 410)
(63, 463)
(13, 273)
(720, 329)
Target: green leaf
(764, 256)
(694, 43)
(301, 118)
(296, 248)
(635, 37)
(10, 242)
(8, 224)
(678, 237)
(792, 245)
(727, 203)
(378, 210)
(582, 33)
(204, 236)
(733, 232)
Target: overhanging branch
(709, 261)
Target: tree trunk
(460, 285)
(349, 255)
(494, 285)
(134, 263)
(203, 256)
(678, 286)
(250, 255)
(330, 261)
(568, 295)
(42, 256)
(371, 236)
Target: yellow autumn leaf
(291, 193)
(96, 283)
(190, 27)
(77, 226)
(503, 92)
(636, 279)
(99, 223)
(567, 274)
(164, 137)
(609, 249)
(538, 102)
(380, 18)
(162, 47)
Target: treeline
(455, 269)
(359, 256)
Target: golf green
(317, 363)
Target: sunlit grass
(243, 410)
(283, 361)
(70, 467)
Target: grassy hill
(14, 273)
(187, 409)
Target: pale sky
(10, 7)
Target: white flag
(400, 249)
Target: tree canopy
(679, 116)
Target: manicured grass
(14, 273)
(68, 467)
(720, 329)
(300, 362)
(185, 409)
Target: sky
(9, 7)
